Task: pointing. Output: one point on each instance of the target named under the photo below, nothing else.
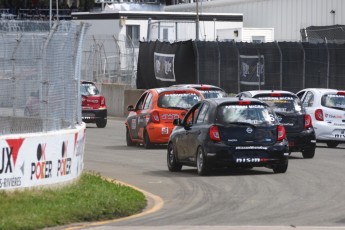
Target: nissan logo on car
(249, 130)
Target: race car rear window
(253, 114)
(213, 93)
(286, 104)
(88, 89)
(334, 101)
(178, 100)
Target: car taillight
(281, 134)
(214, 133)
(319, 114)
(276, 94)
(102, 101)
(155, 117)
(244, 102)
(205, 88)
(341, 93)
(307, 121)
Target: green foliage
(91, 198)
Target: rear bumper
(94, 115)
(219, 154)
(329, 132)
(303, 140)
(159, 133)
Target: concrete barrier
(118, 97)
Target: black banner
(164, 67)
(161, 64)
(242, 66)
(252, 70)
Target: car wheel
(128, 138)
(173, 165)
(201, 162)
(101, 123)
(281, 168)
(147, 142)
(332, 144)
(308, 153)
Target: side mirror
(130, 108)
(177, 122)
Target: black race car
(228, 132)
(298, 124)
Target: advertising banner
(41, 159)
(252, 70)
(164, 66)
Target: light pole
(50, 14)
(197, 21)
(214, 29)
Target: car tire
(332, 144)
(147, 143)
(281, 168)
(201, 163)
(129, 139)
(101, 123)
(308, 153)
(172, 163)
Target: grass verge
(91, 198)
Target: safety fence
(109, 59)
(239, 66)
(40, 75)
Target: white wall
(186, 30)
(246, 34)
(287, 17)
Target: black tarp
(161, 64)
(242, 66)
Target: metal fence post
(258, 52)
(328, 63)
(77, 71)
(304, 60)
(238, 67)
(148, 38)
(196, 61)
(13, 60)
(218, 63)
(280, 67)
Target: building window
(133, 33)
(258, 39)
(165, 34)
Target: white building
(153, 25)
(287, 17)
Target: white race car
(327, 110)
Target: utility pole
(50, 14)
(197, 21)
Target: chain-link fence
(109, 59)
(289, 66)
(39, 75)
(242, 66)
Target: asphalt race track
(311, 193)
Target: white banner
(41, 159)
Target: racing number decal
(133, 123)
